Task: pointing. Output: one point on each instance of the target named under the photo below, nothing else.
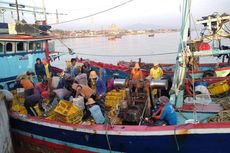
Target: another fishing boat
(192, 133)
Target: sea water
(141, 45)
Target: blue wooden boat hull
(188, 138)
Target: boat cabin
(18, 53)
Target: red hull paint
(27, 144)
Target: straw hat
(137, 66)
(164, 99)
(90, 101)
(156, 64)
(93, 75)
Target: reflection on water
(128, 45)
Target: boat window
(1, 48)
(20, 46)
(9, 47)
(38, 46)
(31, 46)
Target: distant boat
(151, 35)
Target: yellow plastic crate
(19, 108)
(218, 87)
(65, 108)
(112, 103)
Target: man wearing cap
(97, 84)
(95, 111)
(156, 72)
(166, 112)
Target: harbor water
(149, 49)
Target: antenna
(27, 8)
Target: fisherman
(97, 84)
(86, 68)
(65, 82)
(156, 72)
(94, 110)
(32, 101)
(102, 74)
(85, 91)
(72, 70)
(42, 88)
(39, 69)
(81, 78)
(48, 69)
(136, 77)
(136, 73)
(27, 84)
(48, 72)
(165, 113)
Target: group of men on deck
(85, 82)
(75, 82)
(165, 111)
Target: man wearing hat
(165, 113)
(95, 111)
(156, 72)
(136, 73)
(97, 84)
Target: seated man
(95, 111)
(165, 113)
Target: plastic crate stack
(114, 97)
(67, 112)
(18, 104)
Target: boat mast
(177, 92)
(44, 9)
(18, 18)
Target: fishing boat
(192, 133)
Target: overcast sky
(157, 13)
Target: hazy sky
(158, 13)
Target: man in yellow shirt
(156, 72)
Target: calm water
(128, 45)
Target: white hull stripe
(59, 142)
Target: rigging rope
(93, 14)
